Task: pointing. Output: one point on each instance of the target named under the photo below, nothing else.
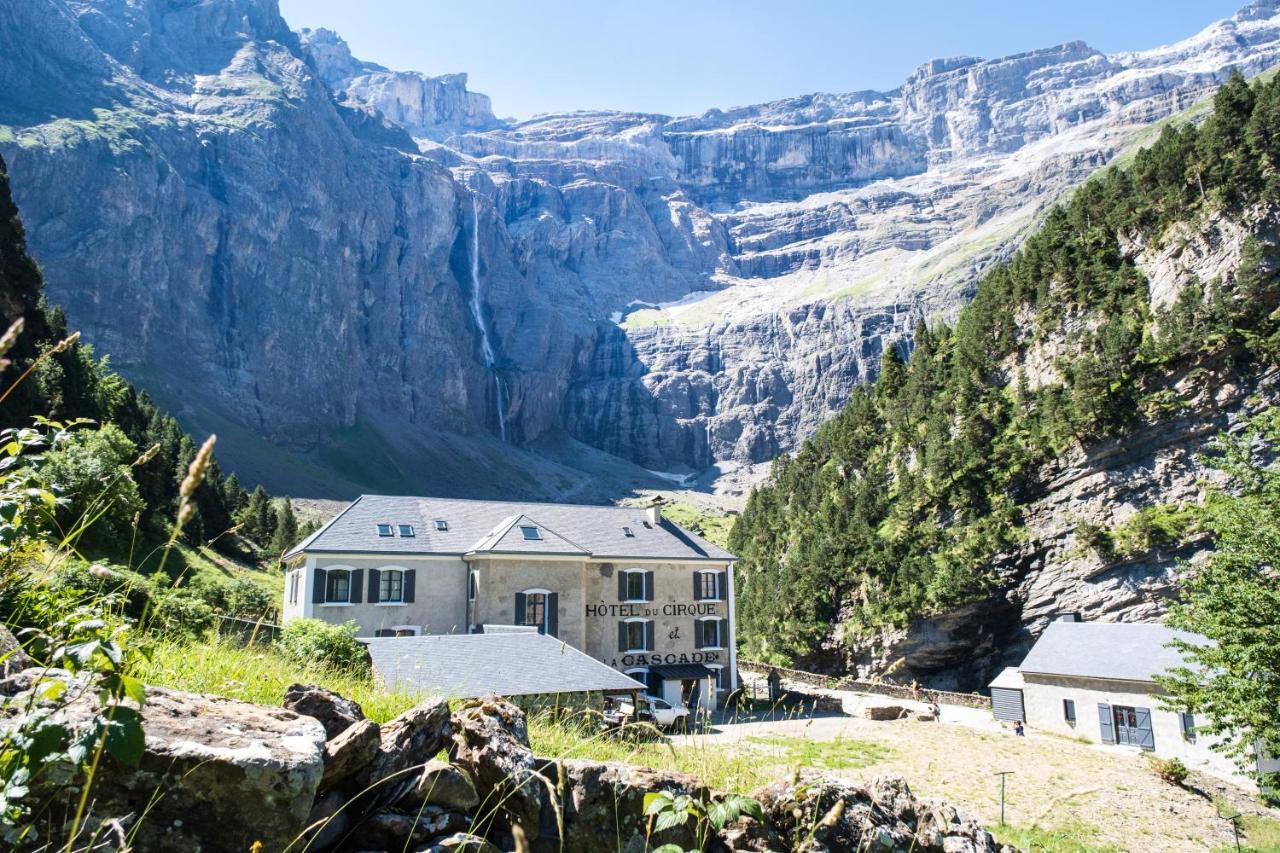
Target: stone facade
(683, 610)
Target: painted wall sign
(657, 659)
(623, 611)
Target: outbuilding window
(337, 589)
(391, 586)
(442, 524)
(384, 530)
(294, 583)
(628, 532)
(473, 582)
(530, 532)
(1069, 711)
(1187, 722)
(406, 531)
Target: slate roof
(1128, 651)
(466, 666)
(493, 527)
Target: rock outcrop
(215, 774)
(319, 256)
(233, 776)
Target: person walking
(1018, 729)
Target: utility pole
(1002, 774)
(1235, 827)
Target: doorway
(1133, 726)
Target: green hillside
(897, 506)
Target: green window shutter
(357, 586)
(722, 585)
(622, 586)
(374, 577)
(622, 636)
(410, 576)
(697, 635)
(553, 614)
(648, 586)
(697, 586)
(1105, 724)
(519, 618)
(648, 636)
(318, 586)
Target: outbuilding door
(1006, 704)
(1133, 727)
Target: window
(1069, 711)
(721, 676)
(707, 586)
(293, 587)
(707, 633)
(407, 630)
(633, 586)
(473, 582)
(628, 532)
(1187, 721)
(636, 634)
(406, 531)
(535, 609)
(384, 632)
(641, 675)
(337, 586)
(391, 586)
(442, 524)
(384, 530)
(531, 533)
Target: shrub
(1171, 770)
(310, 641)
(181, 614)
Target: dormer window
(384, 530)
(530, 533)
(442, 524)
(406, 531)
(628, 532)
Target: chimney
(654, 515)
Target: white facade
(1045, 698)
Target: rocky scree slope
(317, 774)
(368, 269)
(1045, 455)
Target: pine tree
(257, 519)
(285, 535)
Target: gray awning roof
(469, 666)
(1125, 651)
(681, 671)
(480, 527)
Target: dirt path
(1109, 796)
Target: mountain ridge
(752, 294)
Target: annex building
(626, 586)
(1096, 680)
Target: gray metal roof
(467, 666)
(492, 526)
(1128, 651)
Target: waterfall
(477, 313)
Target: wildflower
(147, 455)
(197, 469)
(11, 337)
(66, 343)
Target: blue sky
(535, 56)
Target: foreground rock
(215, 774)
(13, 658)
(818, 814)
(335, 712)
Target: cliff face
(392, 287)
(1057, 570)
